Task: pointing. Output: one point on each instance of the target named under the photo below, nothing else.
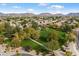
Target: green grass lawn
(33, 45)
(43, 36)
(28, 42)
(44, 33)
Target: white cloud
(42, 4)
(56, 7)
(3, 4)
(64, 11)
(70, 11)
(12, 11)
(30, 10)
(15, 6)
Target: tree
(1, 39)
(34, 25)
(16, 42)
(32, 33)
(71, 37)
(63, 39)
(53, 26)
(21, 35)
(68, 53)
(2, 26)
(9, 30)
(27, 48)
(77, 25)
(52, 39)
(35, 35)
(53, 36)
(66, 28)
(39, 49)
(53, 45)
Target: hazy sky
(39, 8)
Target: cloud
(12, 11)
(64, 11)
(15, 6)
(3, 4)
(30, 10)
(42, 4)
(56, 7)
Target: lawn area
(43, 37)
(44, 33)
(33, 45)
(28, 43)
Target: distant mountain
(1, 14)
(58, 14)
(73, 14)
(49, 14)
(20, 14)
(17, 14)
(28, 14)
(45, 14)
(41, 14)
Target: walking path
(72, 46)
(75, 46)
(40, 44)
(57, 53)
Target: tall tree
(53, 45)
(1, 39)
(66, 28)
(53, 36)
(32, 33)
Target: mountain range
(41, 14)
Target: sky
(37, 8)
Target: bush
(68, 53)
(27, 48)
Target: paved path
(40, 44)
(57, 53)
(75, 46)
(72, 47)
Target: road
(75, 46)
(77, 41)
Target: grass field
(43, 36)
(28, 42)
